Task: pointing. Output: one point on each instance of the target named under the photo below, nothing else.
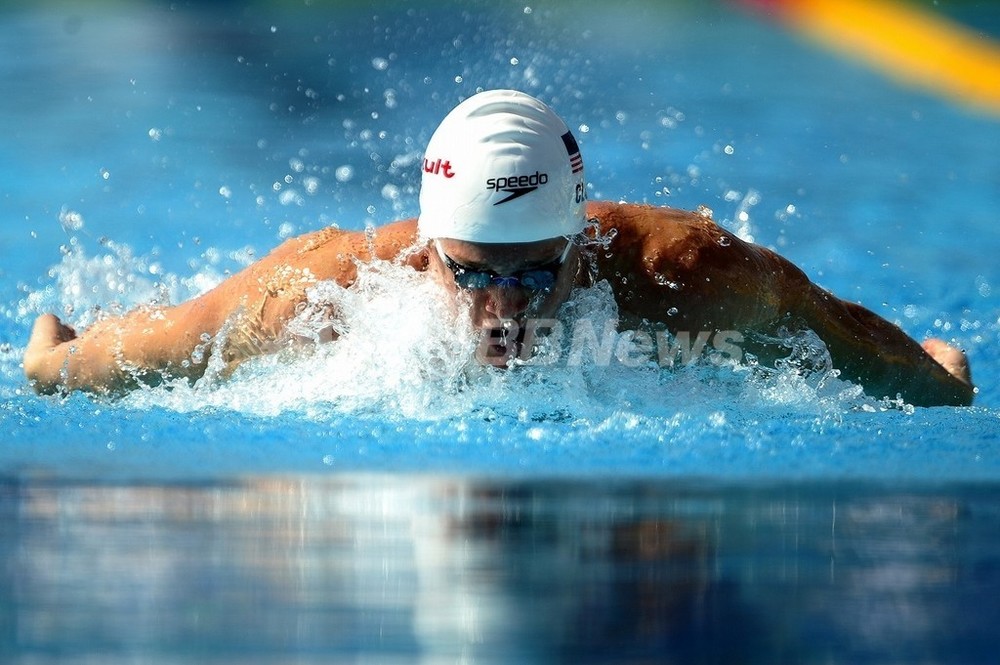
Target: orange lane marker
(912, 45)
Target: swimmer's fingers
(50, 332)
(46, 335)
(952, 359)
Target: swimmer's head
(502, 167)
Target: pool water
(409, 569)
(364, 502)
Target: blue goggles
(540, 278)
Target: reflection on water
(385, 569)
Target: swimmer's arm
(864, 347)
(875, 353)
(116, 354)
(150, 344)
(695, 276)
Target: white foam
(405, 351)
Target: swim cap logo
(575, 159)
(439, 167)
(516, 185)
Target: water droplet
(70, 219)
(725, 241)
(704, 211)
(672, 311)
(983, 286)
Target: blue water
(353, 504)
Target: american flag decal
(575, 159)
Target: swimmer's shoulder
(387, 241)
(658, 234)
(331, 252)
(661, 258)
(639, 220)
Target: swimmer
(505, 224)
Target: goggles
(540, 278)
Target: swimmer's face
(506, 284)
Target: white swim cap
(502, 167)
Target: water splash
(405, 353)
(85, 287)
(741, 225)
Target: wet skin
(668, 268)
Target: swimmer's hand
(952, 359)
(41, 364)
